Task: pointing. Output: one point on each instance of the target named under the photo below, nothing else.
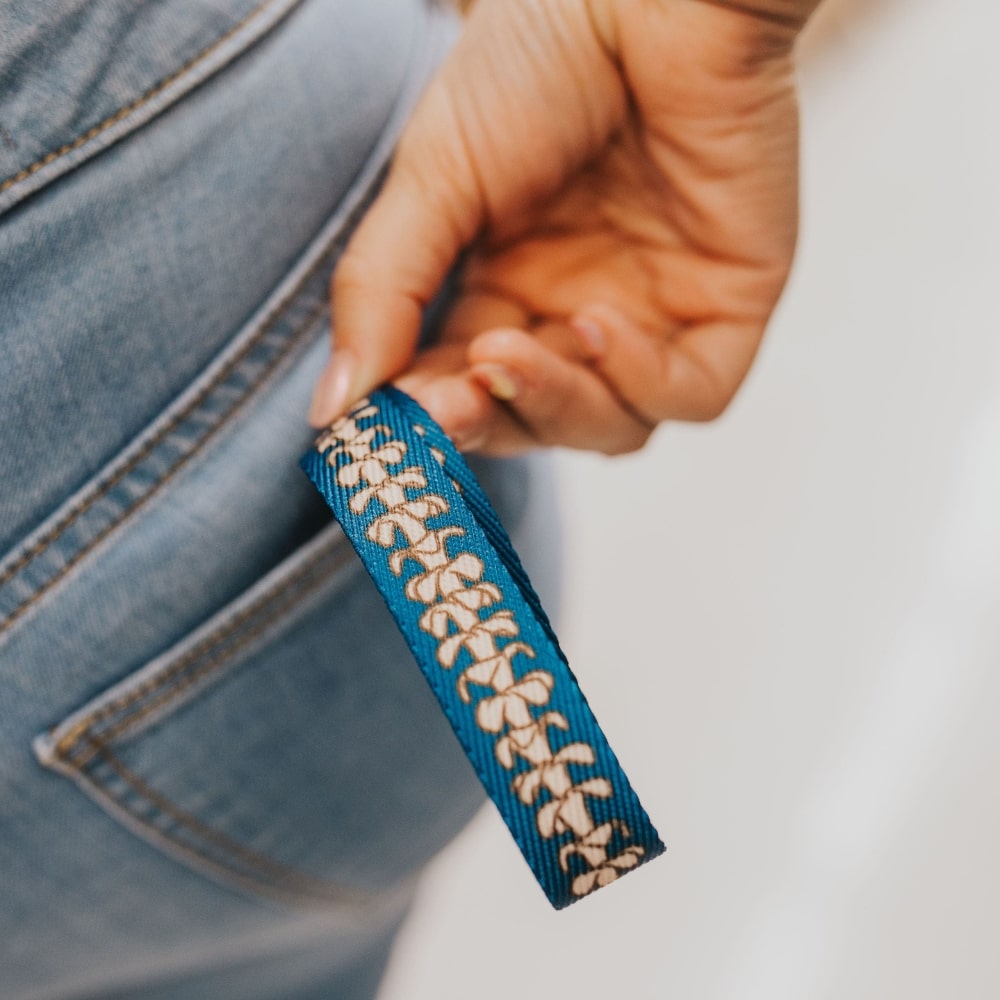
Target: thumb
(428, 210)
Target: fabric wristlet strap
(442, 561)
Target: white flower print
(493, 671)
(451, 587)
(391, 491)
(529, 742)
(443, 581)
(553, 774)
(510, 706)
(570, 812)
(427, 551)
(478, 639)
(408, 518)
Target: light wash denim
(220, 769)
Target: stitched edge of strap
(393, 492)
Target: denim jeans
(220, 770)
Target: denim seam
(127, 109)
(72, 515)
(43, 543)
(380, 153)
(271, 874)
(275, 604)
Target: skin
(621, 177)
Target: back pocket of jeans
(288, 746)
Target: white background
(788, 622)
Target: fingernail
(469, 440)
(590, 335)
(330, 394)
(499, 381)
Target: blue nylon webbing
(442, 561)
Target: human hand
(624, 173)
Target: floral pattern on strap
(461, 613)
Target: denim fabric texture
(220, 770)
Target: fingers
(692, 375)
(439, 378)
(555, 398)
(601, 383)
(394, 264)
(502, 125)
(509, 392)
(473, 419)
(604, 387)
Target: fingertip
(459, 405)
(497, 346)
(333, 389)
(498, 380)
(557, 400)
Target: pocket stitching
(82, 734)
(127, 109)
(227, 858)
(283, 880)
(158, 438)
